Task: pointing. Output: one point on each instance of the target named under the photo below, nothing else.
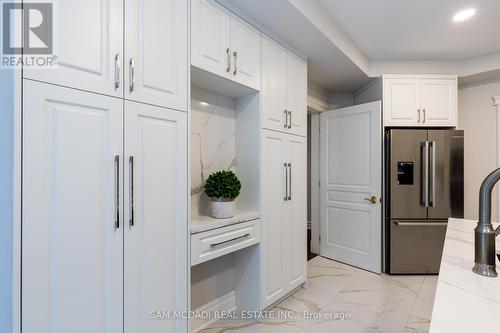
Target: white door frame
(314, 186)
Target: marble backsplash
(213, 131)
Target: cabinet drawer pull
(419, 116)
(289, 181)
(228, 69)
(229, 240)
(424, 115)
(290, 123)
(285, 165)
(286, 118)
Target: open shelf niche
(224, 135)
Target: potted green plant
(222, 187)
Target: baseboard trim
(226, 302)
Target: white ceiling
(423, 29)
(327, 65)
(348, 42)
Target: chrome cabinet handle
(286, 182)
(131, 194)
(419, 116)
(290, 123)
(421, 224)
(290, 181)
(117, 191)
(424, 115)
(228, 69)
(432, 162)
(235, 55)
(132, 74)
(117, 71)
(229, 240)
(286, 118)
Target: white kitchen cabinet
(156, 58)
(284, 221)
(274, 81)
(224, 44)
(296, 209)
(72, 268)
(296, 94)
(104, 213)
(246, 50)
(420, 100)
(89, 47)
(155, 203)
(439, 102)
(284, 90)
(402, 102)
(211, 37)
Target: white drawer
(214, 243)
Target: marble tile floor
(374, 303)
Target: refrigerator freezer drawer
(416, 246)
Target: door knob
(372, 199)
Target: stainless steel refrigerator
(424, 187)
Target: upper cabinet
(284, 89)
(112, 49)
(90, 47)
(224, 44)
(420, 100)
(156, 52)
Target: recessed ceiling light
(204, 103)
(464, 15)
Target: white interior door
(72, 244)
(156, 57)
(351, 161)
(156, 230)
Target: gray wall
(478, 118)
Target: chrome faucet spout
(484, 234)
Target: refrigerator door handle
(432, 184)
(425, 173)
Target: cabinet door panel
(89, 37)
(439, 100)
(210, 37)
(273, 244)
(156, 38)
(245, 52)
(402, 102)
(273, 85)
(72, 250)
(296, 94)
(156, 231)
(296, 217)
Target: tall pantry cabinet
(104, 169)
(284, 166)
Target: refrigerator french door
(424, 172)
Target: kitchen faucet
(484, 234)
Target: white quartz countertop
(200, 223)
(464, 302)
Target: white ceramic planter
(222, 208)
